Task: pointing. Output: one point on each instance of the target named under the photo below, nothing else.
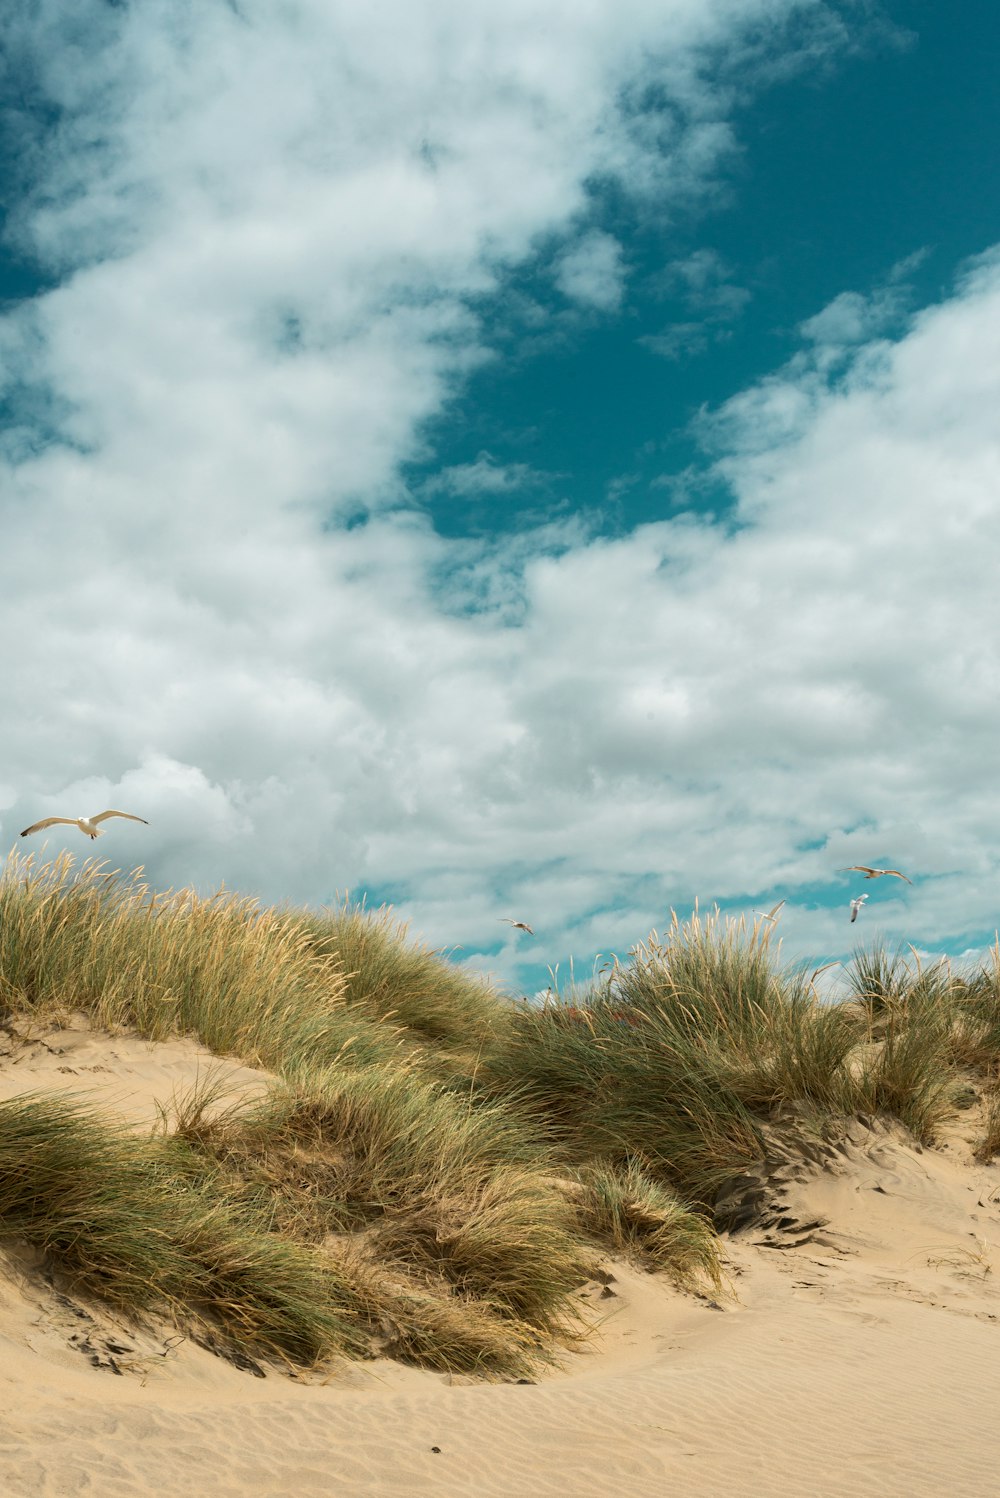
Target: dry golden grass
(437, 1166)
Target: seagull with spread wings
(518, 925)
(85, 824)
(772, 914)
(862, 868)
(856, 907)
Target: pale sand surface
(859, 1357)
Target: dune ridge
(856, 1353)
(292, 1205)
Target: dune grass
(877, 979)
(448, 1195)
(679, 1055)
(393, 978)
(129, 1221)
(432, 1184)
(637, 1214)
(685, 1052)
(244, 980)
(436, 1168)
(976, 1037)
(988, 1146)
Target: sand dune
(859, 1353)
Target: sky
(532, 462)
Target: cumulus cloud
(855, 317)
(702, 281)
(268, 231)
(485, 477)
(592, 272)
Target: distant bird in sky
(862, 868)
(520, 925)
(856, 906)
(85, 824)
(772, 914)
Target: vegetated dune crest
(857, 1353)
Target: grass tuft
(129, 1222)
(390, 978)
(637, 1214)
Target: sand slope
(860, 1354)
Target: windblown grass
(244, 980)
(125, 1219)
(989, 1145)
(464, 1193)
(449, 1204)
(389, 977)
(877, 981)
(678, 1055)
(448, 1190)
(976, 1034)
(696, 1041)
(436, 1168)
(636, 1213)
(907, 1068)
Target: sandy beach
(857, 1353)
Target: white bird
(862, 868)
(519, 925)
(856, 906)
(772, 914)
(85, 824)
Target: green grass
(456, 1222)
(679, 1057)
(128, 1219)
(637, 1214)
(436, 1168)
(989, 1145)
(976, 1037)
(392, 978)
(877, 981)
(245, 981)
(433, 1184)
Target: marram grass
(133, 1227)
(637, 1214)
(436, 1168)
(244, 980)
(392, 978)
(433, 1185)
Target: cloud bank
(267, 231)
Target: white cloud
(269, 225)
(485, 478)
(702, 281)
(592, 271)
(852, 318)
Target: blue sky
(508, 468)
(884, 155)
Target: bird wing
(525, 927)
(772, 913)
(862, 868)
(103, 817)
(49, 822)
(897, 874)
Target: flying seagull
(856, 907)
(520, 925)
(862, 868)
(85, 824)
(772, 914)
